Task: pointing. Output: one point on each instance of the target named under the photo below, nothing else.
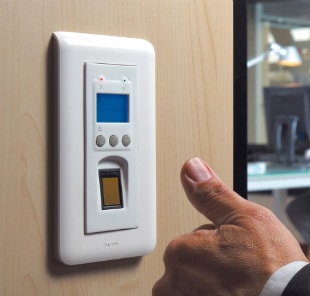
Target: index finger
(209, 194)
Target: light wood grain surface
(193, 43)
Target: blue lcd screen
(112, 107)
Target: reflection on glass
(279, 108)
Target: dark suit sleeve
(300, 283)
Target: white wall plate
(107, 157)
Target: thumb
(209, 194)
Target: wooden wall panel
(193, 43)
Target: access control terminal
(107, 148)
(111, 147)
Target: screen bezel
(240, 97)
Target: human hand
(234, 256)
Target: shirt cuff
(278, 281)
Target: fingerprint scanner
(111, 189)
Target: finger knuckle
(212, 188)
(174, 250)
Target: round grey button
(126, 140)
(113, 140)
(100, 140)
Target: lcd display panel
(112, 108)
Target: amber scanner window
(111, 189)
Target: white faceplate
(88, 65)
